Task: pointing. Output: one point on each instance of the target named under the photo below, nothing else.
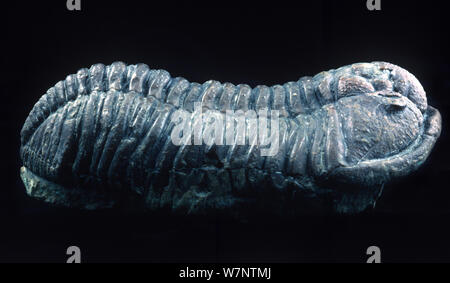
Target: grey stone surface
(103, 137)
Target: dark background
(259, 43)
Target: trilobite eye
(393, 101)
(395, 104)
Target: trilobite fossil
(104, 137)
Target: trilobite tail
(78, 197)
(51, 143)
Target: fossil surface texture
(130, 136)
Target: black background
(254, 43)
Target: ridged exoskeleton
(105, 135)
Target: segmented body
(111, 126)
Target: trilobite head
(378, 125)
(387, 127)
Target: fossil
(102, 138)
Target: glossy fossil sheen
(101, 138)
